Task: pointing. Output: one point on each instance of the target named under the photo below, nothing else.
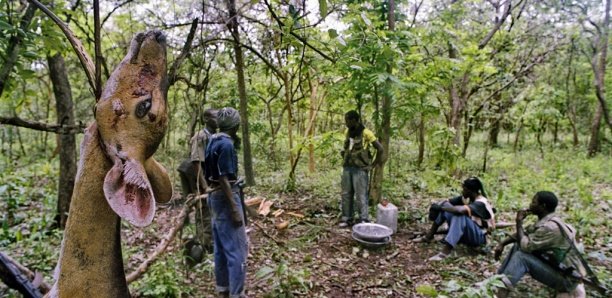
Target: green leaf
(264, 272)
(323, 8)
(427, 290)
(332, 33)
(5, 26)
(452, 286)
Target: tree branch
(507, 9)
(303, 40)
(172, 75)
(56, 128)
(166, 240)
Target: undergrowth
(584, 186)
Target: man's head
(472, 187)
(228, 121)
(209, 118)
(543, 202)
(352, 119)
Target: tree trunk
(571, 106)
(14, 43)
(594, 142)
(289, 117)
(313, 104)
(467, 135)
(67, 142)
(421, 139)
(385, 129)
(494, 133)
(517, 137)
(599, 67)
(244, 109)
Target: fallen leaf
(283, 224)
(295, 214)
(264, 207)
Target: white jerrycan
(386, 214)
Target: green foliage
(486, 289)
(285, 281)
(161, 282)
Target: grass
(583, 185)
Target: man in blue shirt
(229, 235)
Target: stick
(166, 240)
(263, 230)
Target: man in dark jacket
(229, 235)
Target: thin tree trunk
(595, 125)
(385, 129)
(67, 142)
(289, 117)
(421, 139)
(467, 136)
(494, 133)
(571, 106)
(313, 104)
(244, 110)
(517, 137)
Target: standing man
(356, 165)
(198, 146)
(191, 173)
(543, 250)
(229, 235)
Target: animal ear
(129, 192)
(160, 181)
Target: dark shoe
(363, 221)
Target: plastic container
(386, 214)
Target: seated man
(467, 215)
(542, 250)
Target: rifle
(571, 273)
(241, 185)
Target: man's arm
(380, 151)
(446, 206)
(200, 180)
(520, 232)
(500, 247)
(229, 196)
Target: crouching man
(546, 250)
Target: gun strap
(590, 272)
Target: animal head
(131, 116)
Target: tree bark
(494, 133)
(594, 142)
(421, 139)
(385, 129)
(67, 142)
(14, 44)
(314, 86)
(244, 109)
(598, 64)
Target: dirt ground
(313, 257)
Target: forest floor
(313, 257)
